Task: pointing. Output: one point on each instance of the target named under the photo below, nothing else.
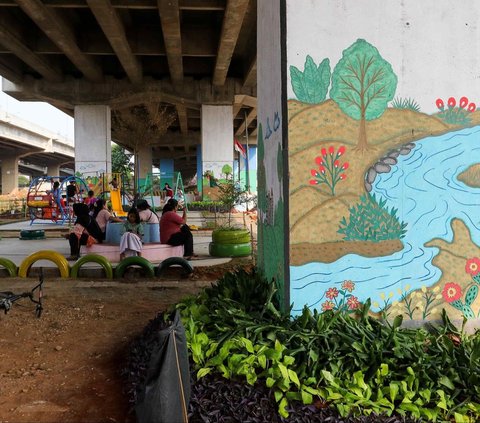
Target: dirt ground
(65, 366)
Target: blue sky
(39, 113)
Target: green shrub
(405, 103)
(311, 85)
(356, 363)
(372, 221)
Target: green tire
(132, 261)
(175, 261)
(92, 258)
(32, 234)
(10, 266)
(241, 236)
(230, 250)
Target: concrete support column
(93, 151)
(53, 169)
(144, 157)
(217, 146)
(9, 174)
(166, 172)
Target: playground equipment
(153, 188)
(111, 187)
(46, 202)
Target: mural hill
(318, 132)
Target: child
(131, 240)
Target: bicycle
(8, 298)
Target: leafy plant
(329, 172)
(405, 103)
(372, 221)
(311, 85)
(362, 85)
(456, 115)
(231, 194)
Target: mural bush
(329, 172)
(456, 115)
(372, 221)
(311, 85)
(406, 104)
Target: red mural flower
(473, 266)
(327, 305)
(463, 102)
(314, 182)
(440, 104)
(472, 107)
(348, 286)
(330, 167)
(353, 303)
(451, 292)
(332, 293)
(452, 102)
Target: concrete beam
(232, 23)
(61, 34)
(250, 79)
(120, 94)
(18, 47)
(247, 120)
(112, 26)
(172, 37)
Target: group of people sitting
(90, 227)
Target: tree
(121, 161)
(140, 126)
(362, 85)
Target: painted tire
(175, 261)
(32, 234)
(131, 261)
(10, 266)
(92, 258)
(241, 236)
(57, 258)
(230, 250)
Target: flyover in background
(35, 150)
(180, 54)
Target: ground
(65, 366)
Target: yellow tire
(10, 266)
(92, 258)
(51, 255)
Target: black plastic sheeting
(166, 393)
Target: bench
(154, 251)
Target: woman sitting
(147, 215)
(174, 229)
(85, 231)
(103, 216)
(131, 240)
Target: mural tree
(362, 85)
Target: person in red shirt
(174, 229)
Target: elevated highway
(177, 54)
(31, 148)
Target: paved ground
(15, 249)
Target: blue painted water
(423, 186)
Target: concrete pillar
(144, 163)
(9, 174)
(166, 172)
(53, 169)
(217, 145)
(93, 152)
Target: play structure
(153, 188)
(47, 198)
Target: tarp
(167, 387)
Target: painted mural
(384, 198)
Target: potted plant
(230, 240)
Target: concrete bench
(154, 251)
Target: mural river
(425, 189)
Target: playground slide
(116, 200)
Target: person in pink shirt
(103, 216)
(174, 229)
